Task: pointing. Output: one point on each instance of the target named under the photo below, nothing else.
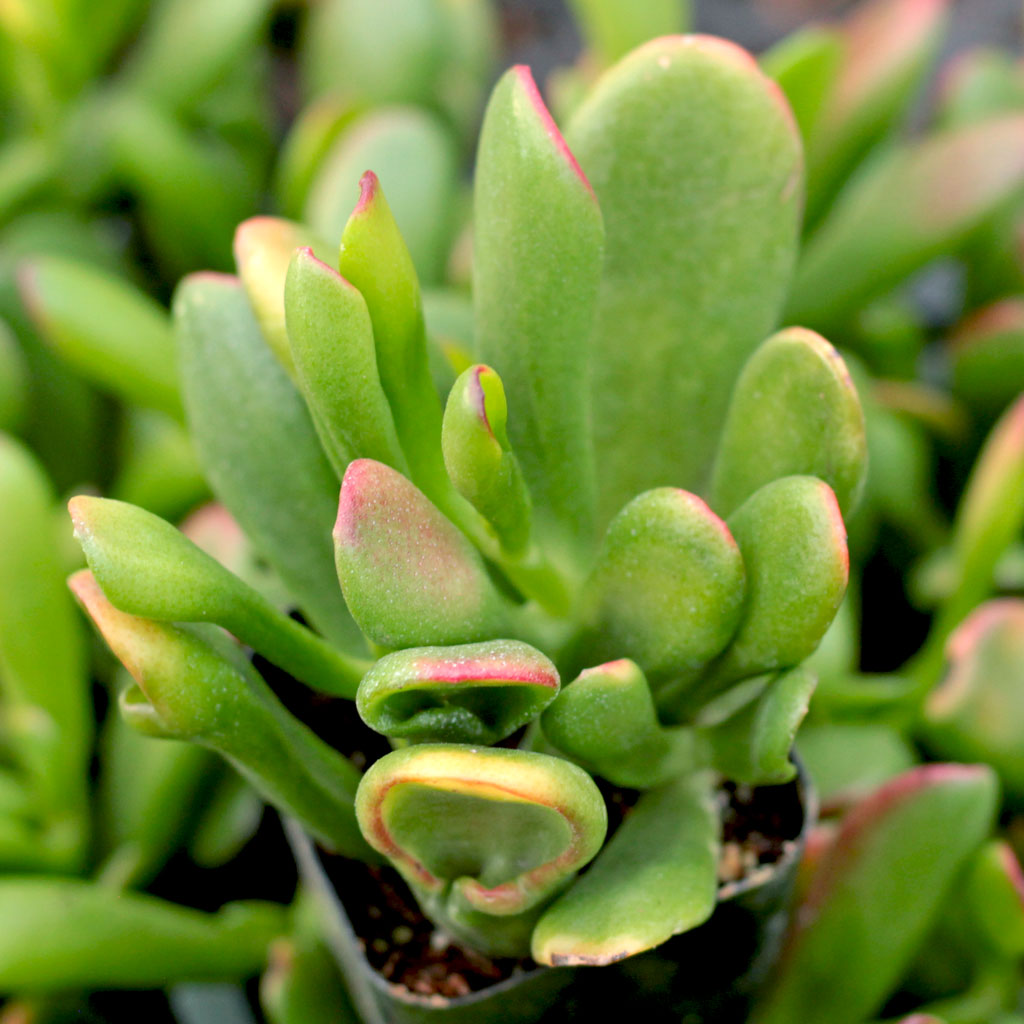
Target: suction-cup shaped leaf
(921, 200)
(606, 719)
(193, 684)
(977, 711)
(115, 335)
(667, 588)
(263, 249)
(697, 166)
(516, 828)
(860, 921)
(657, 877)
(409, 576)
(754, 745)
(148, 568)
(472, 693)
(479, 458)
(794, 411)
(258, 446)
(793, 542)
(331, 341)
(537, 258)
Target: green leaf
(753, 746)
(263, 250)
(302, 985)
(793, 543)
(667, 589)
(14, 381)
(988, 519)
(374, 258)
(415, 158)
(611, 29)
(196, 685)
(607, 720)
(43, 660)
(977, 711)
(794, 411)
(657, 877)
(875, 893)
(696, 163)
(258, 446)
(63, 934)
(921, 200)
(537, 256)
(480, 460)
(886, 48)
(473, 693)
(994, 890)
(847, 760)
(517, 826)
(148, 568)
(106, 329)
(331, 340)
(987, 356)
(409, 576)
(805, 64)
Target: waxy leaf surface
(794, 411)
(537, 259)
(258, 446)
(657, 877)
(697, 166)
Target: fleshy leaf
(921, 200)
(374, 258)
(191, 684)
(109, 331)
(753, 745)
(473, 693)
(409, 576)
(518, 825)
(805, 64)
(886, 47)
(537, 257)
(149, 569)
(63, 933)
(44, 672)
(697, 166)
(977, 711)
(331, 340)
(258, 446)
(479, 458)
(612, 29)
(987, 356)
(994, 890)
(263, 249)
(657, 877)
(14, 381)
(847, 760)
(794, 411)
(793, 542)
(607, 720)
(988, 519)
(875, 893)
(414, 156)
(667, 589)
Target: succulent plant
(603, 558)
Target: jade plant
(596, 565)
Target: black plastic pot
(706, 976)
